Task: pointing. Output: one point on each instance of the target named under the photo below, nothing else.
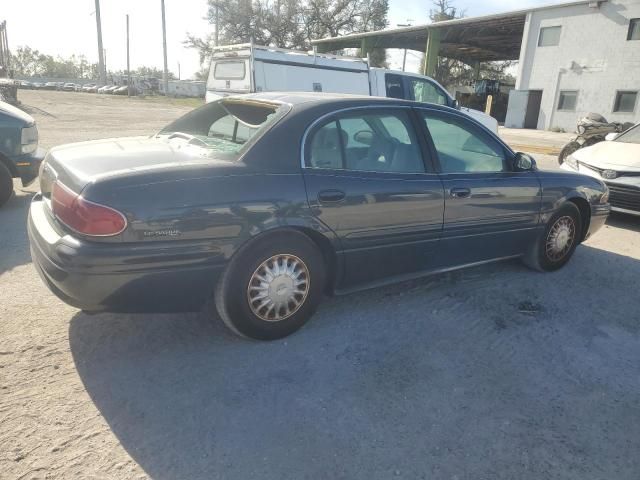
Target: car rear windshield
(229, 70)
(226, 126)
(630, 136)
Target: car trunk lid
(79, 164)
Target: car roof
(307, 99)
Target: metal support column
(431, 52)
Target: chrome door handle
(331, 196)
(460, 192)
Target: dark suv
(20, 156)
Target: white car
(617, 163)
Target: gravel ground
(495, 372)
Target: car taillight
(83, 216)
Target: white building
(578, 58)
(573, 58)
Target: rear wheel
(6, 184)
(556, 245)
(272, 286)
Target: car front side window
(427, 92)
(367, 141)
(463, 147)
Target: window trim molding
(558, 109)
(540, 35)
(632, 22)
(615, 101)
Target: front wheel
(556, 245)
(567, 150)
(6, 184)
(272, 286)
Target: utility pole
(128, 67)
(165, 73)
(101, 69)
(217, 20)
(178, 70)
(404, 56)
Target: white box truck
(249, 68)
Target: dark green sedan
(20, 156)
(264, 203)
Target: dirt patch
(495, 372)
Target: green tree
(289, 23)
(28, 62)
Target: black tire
(6, 184)
(567, 150)
(233, 290)
(541, 254)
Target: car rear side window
(363, 140)
(462, 146)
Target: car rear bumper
(123, 278)
(28, 166)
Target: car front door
(491, 209)
(368, 182)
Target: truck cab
(419, 88)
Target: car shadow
(621, 220)
(460, 372)
(14, 242)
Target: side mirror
(611, 136)
(455, 104)
(524, 162)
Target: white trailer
(249, 68)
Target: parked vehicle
(248, 68)
(617, 163)
(25, 85)
(89, 88)
(592, 128)
(51, 86)
(270, 200)
(38, 85)
(70, 87)
(124, 90)
(20, 156)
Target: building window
(625, 102)
(634, 29)
(549, 36)
(568, 100)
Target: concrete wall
(185, 88)
(593, 57)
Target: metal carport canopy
(471, 39)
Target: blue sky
(68, 26)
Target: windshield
(630, 136)
(225, 126)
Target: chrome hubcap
(560, 239)
(278, 287)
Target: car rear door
(368, 182)
(491, 210)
